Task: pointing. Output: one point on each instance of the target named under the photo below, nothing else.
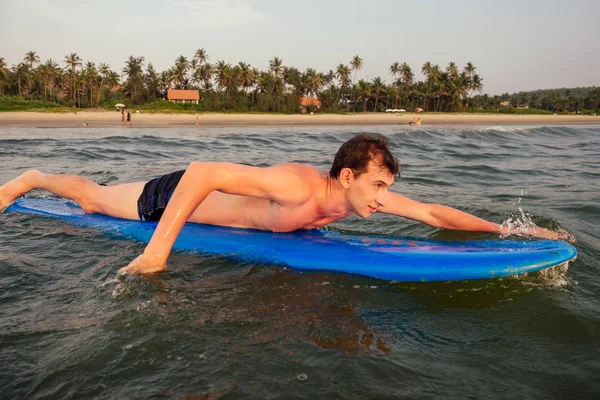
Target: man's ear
(346, 176)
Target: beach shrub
(160, 105)
(507, 110)
(590, 112)
(13, 103)
(192, 106)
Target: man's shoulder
(305, 172)
(301, 180)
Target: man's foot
(16, 188)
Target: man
(280, 198)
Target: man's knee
(90, 206)
(91, 200)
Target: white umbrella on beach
(402, 110)
(119, 105)
(390, 110)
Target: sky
(515, 45)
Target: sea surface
(212, 328)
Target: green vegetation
(507, 110)
(12, 103)
(569, 101)
(32, 85)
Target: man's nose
(381, 198)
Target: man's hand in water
(559, 234)
(542, 233)
(143, 264)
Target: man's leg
(117, 201)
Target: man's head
(358, 151)
(365, 168)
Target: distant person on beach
(280, 198)
(122, 117)
(197, 118)
(128, 118)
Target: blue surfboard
(396, 259)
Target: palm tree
(104, 70)
(112, 81)
(277, 85)
(469, 69)
(53, 72)
(407, 77)
(134, 82)
(395, 71)
(73, 61)
(452, 70)
(3, 74)
(276, 67)
(224, 76)
(246, 75)
(32, 59)
(458, 89)
(378, 87)
(356, 65)
(180, 70)
(342, 73)
(292, 80)
(44, 72)
(392, 94)
(205, 73)
(363, 92)
(21, 72)
(476, 84)
(328, 79)
(312, 82)
(434, 81)
(201, 56)
(90, 75)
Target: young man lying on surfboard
(280, 198)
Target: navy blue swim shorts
(156, 194)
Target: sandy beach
(112, 119)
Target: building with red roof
(183, 96)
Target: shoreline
(108, 119)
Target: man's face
(368, 192)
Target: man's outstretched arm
(440, 216)
(279, 184)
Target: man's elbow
(203, 173)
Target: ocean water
(213, 328)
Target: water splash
(521, 224)
(553, 277)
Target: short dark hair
(358, 151)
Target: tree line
(573, 100)
(242, 87)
